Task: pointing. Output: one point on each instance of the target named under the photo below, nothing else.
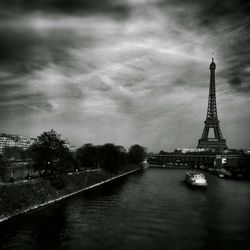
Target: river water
(153, 209)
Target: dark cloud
(24, 53)
(214, 11)
(29, 50)
(8, 87)
(211, 8)
(26, 50)
(116, 7)
(236, 81)
(228, 24)
(237, 60)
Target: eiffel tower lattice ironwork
(212, 122)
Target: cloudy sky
(124, 71)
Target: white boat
(144, 164)
(221, 175)
(195, 179)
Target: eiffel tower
(217, 141)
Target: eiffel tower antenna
(212, 122)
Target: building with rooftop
(8, 140)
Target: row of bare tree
(50, 155)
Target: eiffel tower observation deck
(215, 139)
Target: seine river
(149, 210)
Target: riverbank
(169, 166)
(23, 198)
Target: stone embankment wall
(20, 198)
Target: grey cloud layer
(140, 64)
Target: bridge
(183, 159)
(232, 162)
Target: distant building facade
(7, 140)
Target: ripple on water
(150, 210)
